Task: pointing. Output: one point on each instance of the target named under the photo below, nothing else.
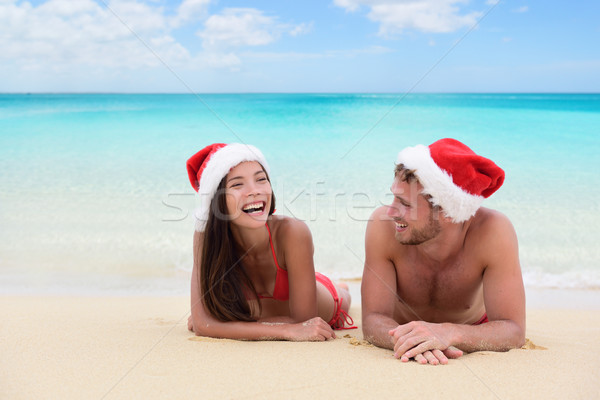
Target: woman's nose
(253, 189)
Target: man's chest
(450, 286)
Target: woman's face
(248, 193)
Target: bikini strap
(341, 318)
(272, 248)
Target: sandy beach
(139, 347)
(106, 105)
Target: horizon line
(307, 93)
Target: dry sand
(133, 347)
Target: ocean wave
(583, 279)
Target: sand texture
(134, 348)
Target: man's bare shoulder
(380, 213)
(491, 234)
(380, 235)
(379, 223)
(490, 221)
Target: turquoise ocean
(95, 197)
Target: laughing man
(442, 274)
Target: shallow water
(95, 196)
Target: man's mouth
(253, 208)
(400, 225)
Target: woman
(253, 275)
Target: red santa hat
(210, 165)
(457, 179)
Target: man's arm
(379, 293)
(378, 288)
(503, 292)
(504, 299)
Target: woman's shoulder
(291, 236)
(288, 228)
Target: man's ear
(440, 215)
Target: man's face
(414, 217)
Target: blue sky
(299, 46)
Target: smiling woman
(253, 275)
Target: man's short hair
(410, 176)
(405, 174)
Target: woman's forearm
(263, 330)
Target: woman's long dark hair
(222, 279)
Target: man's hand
(423, 341)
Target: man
(438, 266)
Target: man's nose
(394, 210)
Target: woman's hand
(312, 330)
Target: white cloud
(396, 16)
(349, 5)
(521, 10)
(61, 33)
(351, 53)
(237, 27)
(67, 8)
(71, 35)
(301, 29)
(492, 2)
(190, 10)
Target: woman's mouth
(254, 208)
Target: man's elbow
(375, 331)
(368, 322)
(515, 337)
(519, 337)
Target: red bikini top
(281, 291)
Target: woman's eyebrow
(232, 178)
(241, 177)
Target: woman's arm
(298, 248)
(204, 324)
